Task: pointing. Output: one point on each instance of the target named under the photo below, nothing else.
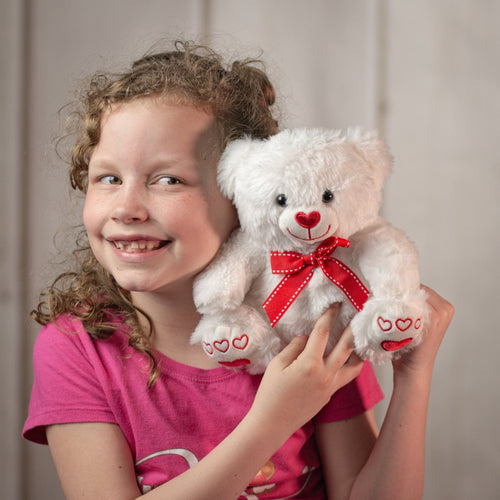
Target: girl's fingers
(350, 370)
(291, 351)
(320, 334)
(343, 360)
(439, 304)
(342, 353)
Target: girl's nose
(130, 207)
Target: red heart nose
(309, 220)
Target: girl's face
(153, 211)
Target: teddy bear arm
(388, 260)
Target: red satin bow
(299, 269)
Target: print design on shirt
(264, 475)
(187, 455)
(252, 491)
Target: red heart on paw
(403, 324)
(221, 345)
(418, 323)
(240, 342)
(394, 345)
(208, 348)
(384, 324)
(235, 364)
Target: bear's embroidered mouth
(309, 233)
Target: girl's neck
(174, 318)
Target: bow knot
(299, 269)
(311, 260)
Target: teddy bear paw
(229, 346)
(385, 330)
(240, 339)
(397, 332)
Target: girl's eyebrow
(170, 164)
(98, 158)
(173, 160)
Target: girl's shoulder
(66, 341)
(71, 377)
(64, 331)
(66, 324)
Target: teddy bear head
(302, 186)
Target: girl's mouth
(139, 246)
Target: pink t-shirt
(173, 425)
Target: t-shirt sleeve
(66, 387)
(358, 396)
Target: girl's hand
(424, 355)
(301, 379)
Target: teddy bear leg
(237, 339)
(387, 328)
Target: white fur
(302, 164)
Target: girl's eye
(110, 179)
(328, 196)
(168, 181)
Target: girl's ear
(373, 150)
(234, 160)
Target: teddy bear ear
(233, 160)
(373, 149)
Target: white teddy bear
(309, 236)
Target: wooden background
(425, 73)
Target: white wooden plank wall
(426, 73)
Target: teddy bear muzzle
(309, 226)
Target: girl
(127, 405)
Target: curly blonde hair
(240, 97)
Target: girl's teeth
(136, 246)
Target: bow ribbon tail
(287, 290)
(346, 280)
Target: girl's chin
(135, 284)
(167, 288)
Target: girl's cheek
(86, 212)
(91, 209)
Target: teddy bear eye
(327, 196)
(281, 200)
